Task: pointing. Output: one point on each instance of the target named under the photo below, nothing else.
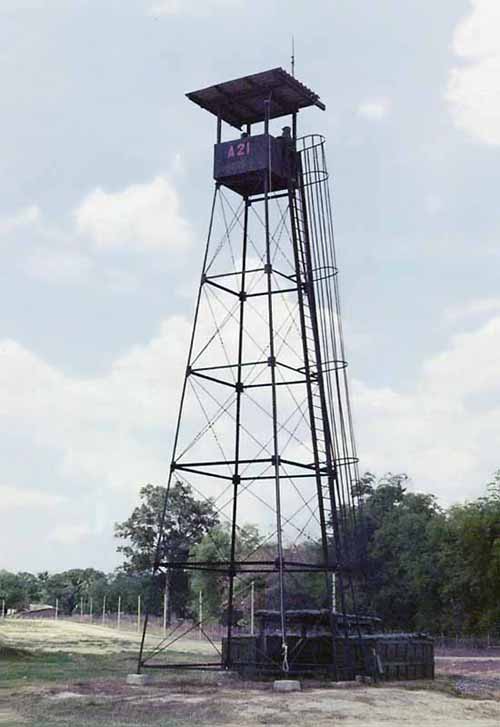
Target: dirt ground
(72, 674)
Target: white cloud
(17, 498)
(193, 7)
(25, 218)
(443, 432)
(58, 266)
(109, 429)
(121, 281)
(433, 204)
(142, 216)
(473, 91)
(471, 309)
(9, 6)
(374, 109)
(69, 534)
(43, 251)
(115, 430)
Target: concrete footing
(139, 680)
(287, 685)
(362, 679)
(226, 677)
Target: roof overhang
(242, 100)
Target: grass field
(55, 674)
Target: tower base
(382, 657)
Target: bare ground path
(163, 705)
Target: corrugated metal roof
(241, 101)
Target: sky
(105, 190)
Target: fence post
(103, 610)
(119, 614)
(200, 614)
(165, 608)
(81, 609)
(91, 604)
(56, 614)
(3, 607)
(252, 607)
(139, 614)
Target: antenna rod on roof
(293, 56)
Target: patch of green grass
(21, 668)
(35, 668)
(9, 652)
(40, 660)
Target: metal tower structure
(264, 428)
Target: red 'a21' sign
(242, 149)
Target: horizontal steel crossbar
(248, 566)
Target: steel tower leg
(236, 475)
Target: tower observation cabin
(256, 163)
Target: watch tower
(264, 428)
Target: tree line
(70, 589)
(426, 567)
(432, 568)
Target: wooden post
(103, 610)
(165, 607)
(56, 614)
(91, 605)
(139, 614)
(119, 614)
(200, 614)
(3, 607)
(81, 609)
(252, 607)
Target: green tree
(31, 586)
(127, 587)
(216, 546)
(469, 554)
(13, 590)
(71, 586)
(493, 488)
(186, 522)
(403, 572)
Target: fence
(98, 614)
(128, 623)
(459, 642)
